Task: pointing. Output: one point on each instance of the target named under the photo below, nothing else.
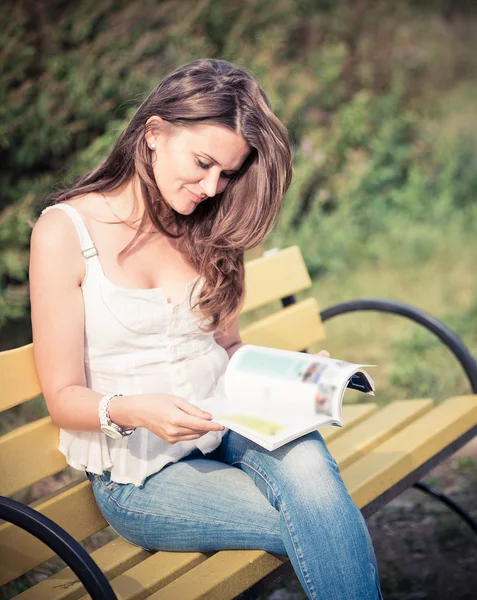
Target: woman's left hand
(324, 353)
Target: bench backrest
(29, 453)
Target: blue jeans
(291, 501)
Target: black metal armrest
(446, 335)
(62, 543)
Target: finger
(197, 424)
(179, 431)
(187, 438)
(324, 353)
(172, 435)
(191, 409)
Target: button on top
(175, 323)
(175, 310)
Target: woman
(137, 279)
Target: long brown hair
(214, 237)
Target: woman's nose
(210, 184)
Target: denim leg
(195, 505)
(324, 533)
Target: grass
(442, 285)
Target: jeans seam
(259, 472)
(129, 541)
(282, 512)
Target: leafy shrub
(365, 167)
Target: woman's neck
(126, 203)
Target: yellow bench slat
(113, 558)
(221, 577)
(274, 276)
(73, 509)
(35, 447)
(19, 381)
(294, 328)
(353, 414)
(388, 463)
(358, 441)
(153, 574)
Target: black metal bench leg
(65, 546)
(471, 522)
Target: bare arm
(56, 272)
(57, 311)
(230, 341)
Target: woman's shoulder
(88, 206)
(56, 230)
(55, 242)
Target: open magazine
(274, 396)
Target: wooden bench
(381, 452)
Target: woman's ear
(153, 130)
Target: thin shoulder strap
(88, 248)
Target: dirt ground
(424, 551)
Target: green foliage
(377, 184)
(366, 165)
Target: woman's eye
(202, 165)
(206, 167)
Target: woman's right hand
(170, 417)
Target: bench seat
(377, 450)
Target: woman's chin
(185, 210)
(181, 207)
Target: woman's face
(192, 164)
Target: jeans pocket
(106, 482)
(93, 478)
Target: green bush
(366, 167)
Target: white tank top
(136, 342)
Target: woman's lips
(194, 197)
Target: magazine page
(272, 396)
(266, 426)
(265, 373)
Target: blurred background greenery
(379, 98)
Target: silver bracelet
(107, 426)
